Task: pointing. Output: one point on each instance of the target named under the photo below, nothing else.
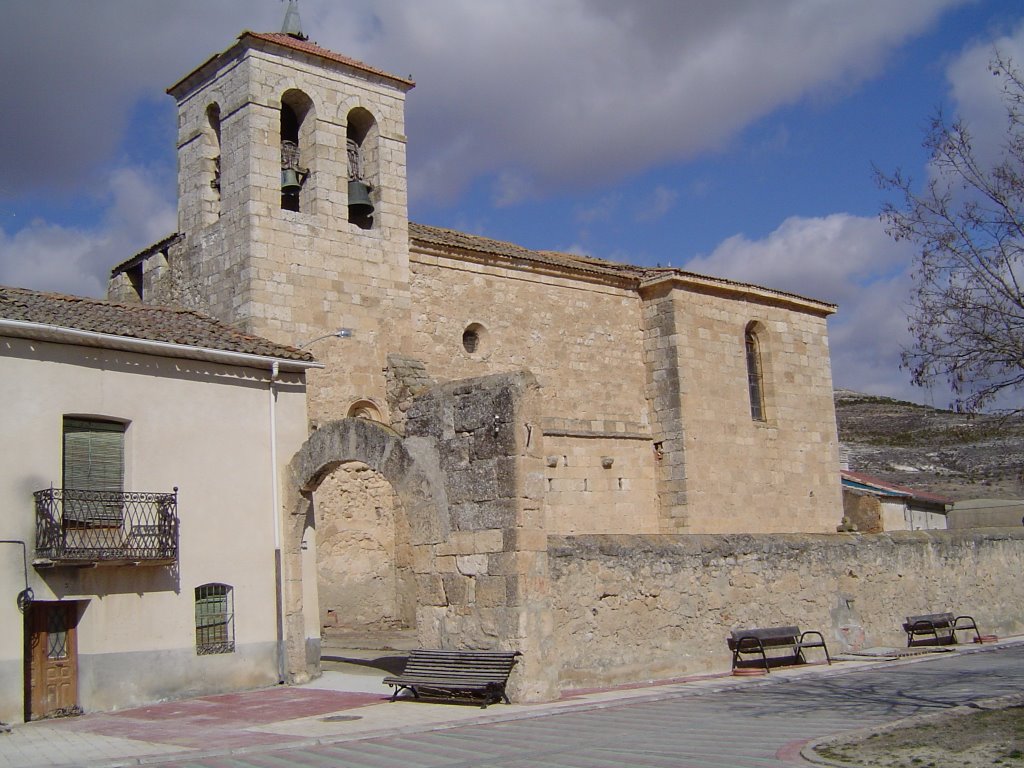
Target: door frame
(66, 614)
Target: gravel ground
(966, 737)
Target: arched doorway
(364, 568)
(419, 496)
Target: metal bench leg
(972, 625)
(400, 688)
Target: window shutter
(93, 455)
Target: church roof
(450, 238)
(426, 237)
(464, 243)
(35, 311)
(305, 46)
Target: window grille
(215, 619)
(56, 635)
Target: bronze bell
(359, 203)
(290, 183)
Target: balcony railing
(94, 527)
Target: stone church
(647, 400)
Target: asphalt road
(758, 725)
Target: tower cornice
(287, 45)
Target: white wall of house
(925, 519)
(894, 514)
(203, 427)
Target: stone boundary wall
(635, 608)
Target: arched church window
(755, 373)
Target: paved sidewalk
(345, 720)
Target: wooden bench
(480, 675)
(938, 628)
(760, 640)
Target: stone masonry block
(476, 484)
(458, 589)
(445, 564)
(525, 539)
(474, 516)
(491, 591)
(430, 589)
(507, 478)
(471, 565)
(488, 541)
(473, 411)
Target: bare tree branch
(966, 311)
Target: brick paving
(226, 720)
(724, 723)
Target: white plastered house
(143, 449)
(872, 505)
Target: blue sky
(730, 137)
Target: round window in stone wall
(472, 338)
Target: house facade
(871, 505)
(140, 531)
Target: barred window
(215, 619)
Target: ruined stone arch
(409, 465)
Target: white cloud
(977, 93)
(827, 258)
(75, 70)
(582, 92)
(598, 210)
(841, 259)
(49, 257)
(554, 93)
(659, 202)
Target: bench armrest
(821, 638)
(754, 643)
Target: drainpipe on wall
(25, 597)
(275, 375)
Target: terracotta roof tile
(138, 321)
(892, 488)
(313, 49)
(156, 247)
(248, 40)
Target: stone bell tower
(292, 206)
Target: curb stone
(860, 734)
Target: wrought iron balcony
(75, 527)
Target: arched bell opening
(363, 167)
(297, 126)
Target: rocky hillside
(957, 455)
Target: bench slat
(455, 672)
(757, 640)
(933, 624)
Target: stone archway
(410, 466)
(469, 475)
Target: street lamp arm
(341, 333)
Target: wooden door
(52, 657)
